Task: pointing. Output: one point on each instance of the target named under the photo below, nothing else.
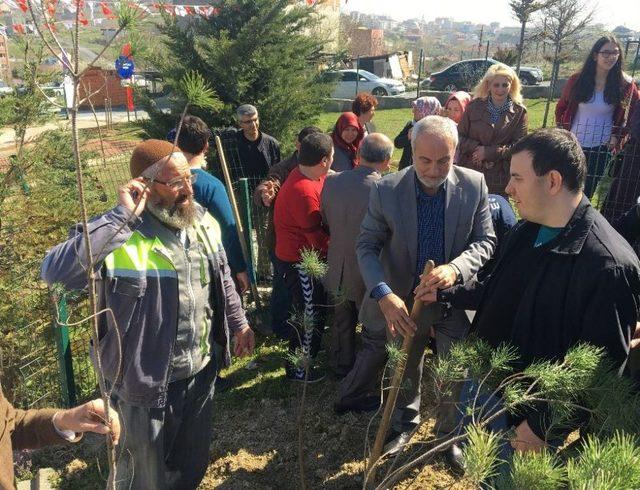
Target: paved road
(85, 120)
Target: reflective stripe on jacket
(138, 283)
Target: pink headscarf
(425, 106)
(461, 96)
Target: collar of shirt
(421, 195)
(257, 143)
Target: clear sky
(611, 13)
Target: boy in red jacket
(298, 226)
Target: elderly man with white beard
(162, 272)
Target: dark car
(530, 75)
(463, 75)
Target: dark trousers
(481, 405)
(280, 299)
(168, 448)
(597, 158)
(343, 337)
(308, 310)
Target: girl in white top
(595, 105)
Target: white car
(367, 82)
(5, 89)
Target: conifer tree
(260, 52)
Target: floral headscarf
(425, 106)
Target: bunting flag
(108, 8)
(52, 5)
(106, 11)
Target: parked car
(530, 75)
(5, 89)
(367, 82)
(463, 75)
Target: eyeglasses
(249, 121)
(178, 183)
(503, 85)
(609, 54)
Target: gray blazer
(344, 201)
(387, 245)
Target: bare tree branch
(44, 39)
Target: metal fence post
(245, 216)
(63, 347)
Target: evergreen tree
(259, 52)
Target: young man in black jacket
(563, 275)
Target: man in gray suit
(344, 201)
(430, 210)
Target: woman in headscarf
(494, 120)
(422, 107)
(347, 136)
(455, 106)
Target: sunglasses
(503, 85)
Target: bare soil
(254, 443)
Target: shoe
(396, 441)
(455, 459)
(298, 375)
(222, 384)
(367, 403)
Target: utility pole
(480, 40)
(420, 68)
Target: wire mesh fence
(259, 215)
(44, 363)
(613, 175)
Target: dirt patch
(254, 444)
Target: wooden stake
(236, 214)
(390, 403)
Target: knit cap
(147, 153)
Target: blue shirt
(430, 227)
(430, 233)
(210, 193)
(502, 215)
(546, 234)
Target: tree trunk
(521, 46)
(552, 85)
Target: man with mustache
(432, 210)
(163, 273)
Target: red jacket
(567, 108)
